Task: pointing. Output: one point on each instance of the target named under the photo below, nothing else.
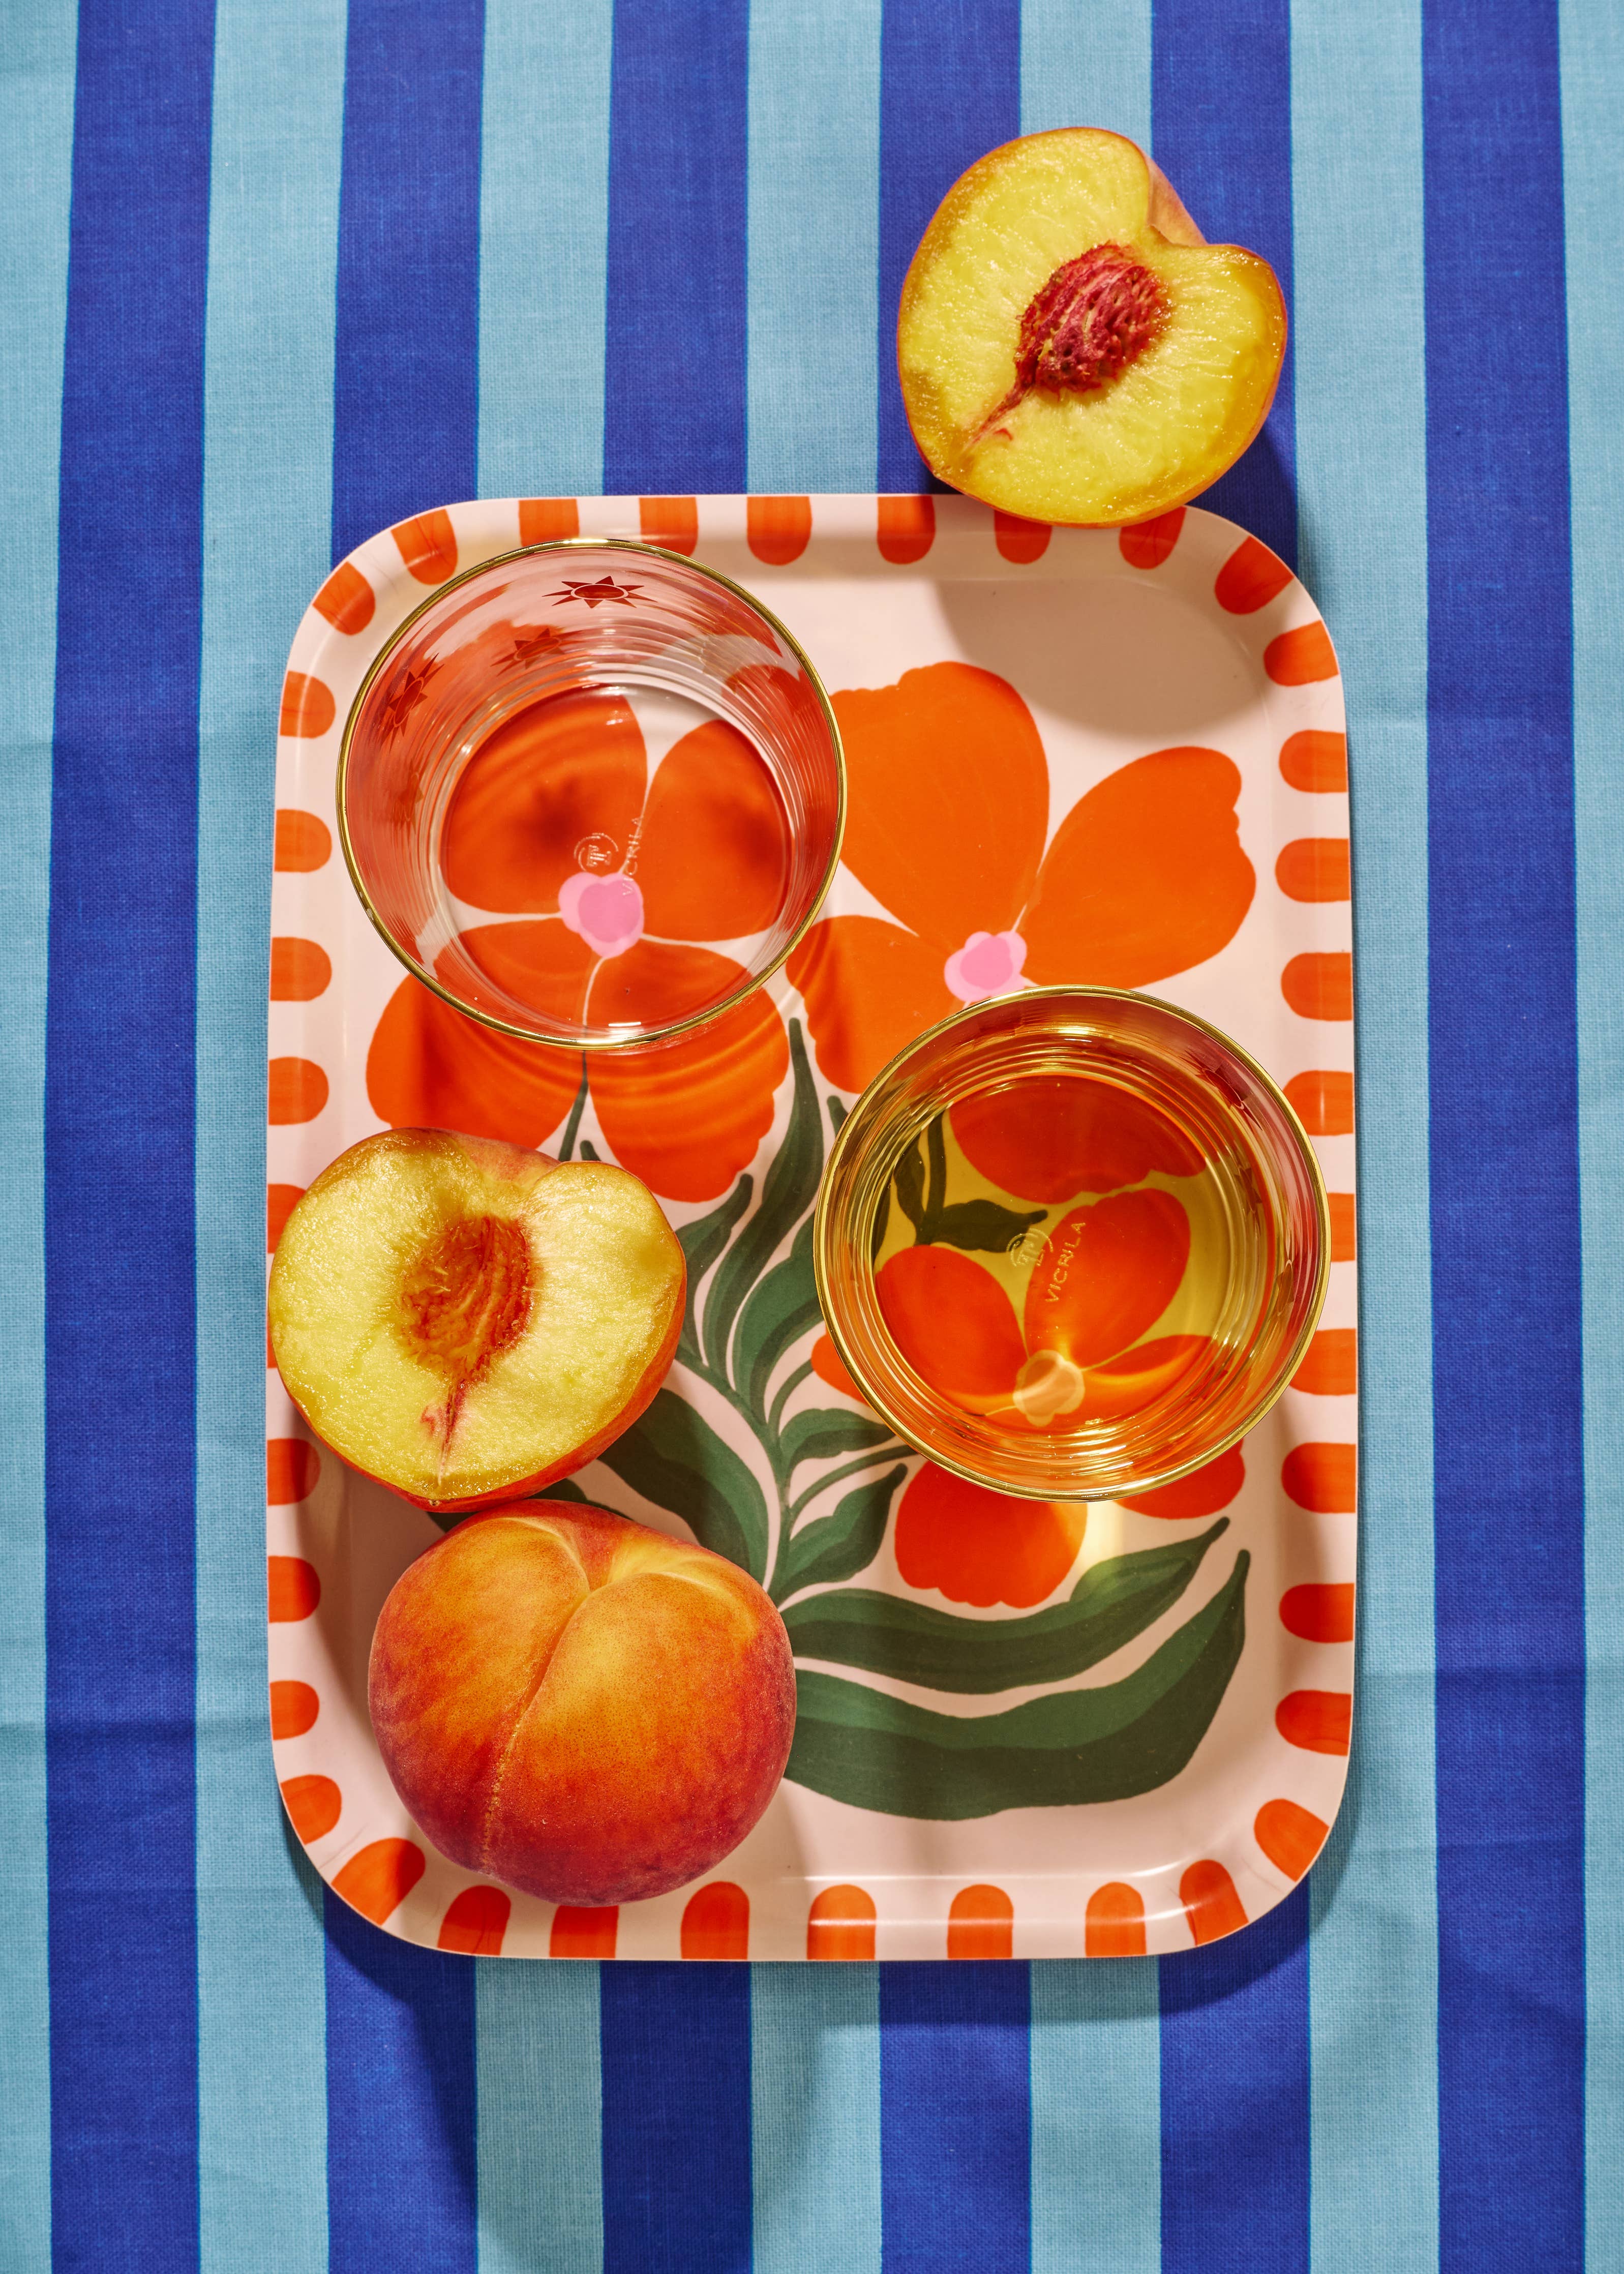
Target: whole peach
(580, 1705)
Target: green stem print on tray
(752, 1303)
(880, 1751)
(1110, 1604)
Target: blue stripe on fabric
(543, 219)
(399, 2021)
(1221, 105)
(1091, 69)
(1592, 48)
(1505, 1192)
(1235, 2114)
(1362, 491)
(401, 2102)
(118, 1150)
(956, 2121)
(814, 2090)
(36, 161)
(540, 2109)
(1096, 2118)
(814, 242)
(674, 369)
(401, 2181)
(676, 2130)
(279, 76)
(406, 390)
(950, 91)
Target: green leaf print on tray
(835, 1474)
(674, 1457)
(1110, 1604)
(834, 1546)
(922, 1195)
(878, 1751)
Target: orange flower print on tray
(1202, 1493)
(980, 1547)
(534, 832)
(949, 804)
(1046, 1139)
(1106, 1274)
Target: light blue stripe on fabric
(1592, 52)
(544, 211)
(279, 68)
(1355, 132)
(542, 235)
(814, 2118)
(814, 244)
(37, 156)
(540, 2149)
(1085, 63)
(1097, 2117)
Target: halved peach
(467, 1322)
(1070, 349)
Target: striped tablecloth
(274, 276)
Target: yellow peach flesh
(461, 1318)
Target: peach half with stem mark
(465, 1320)
(1071, 347)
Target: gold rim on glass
(854, 1128)
(670, 1031)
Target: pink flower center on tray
(987, 964)
(607, 912)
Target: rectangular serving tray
(1182, 636)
